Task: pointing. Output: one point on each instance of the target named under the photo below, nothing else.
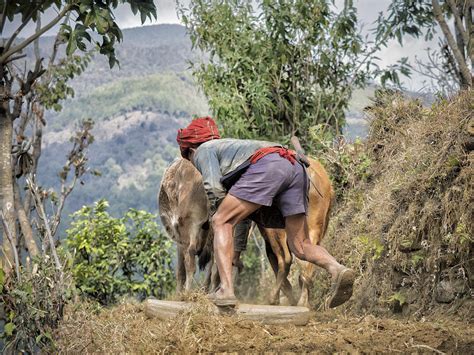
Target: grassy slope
(175, 93)
(406, 227)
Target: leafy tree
(119, 256)
(25, 93)
(277, 68)
(424, 18)
(27, 87)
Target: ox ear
(191, 152)
(205, 226)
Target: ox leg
(281, 268)
(180, 270)
(306, 283)
(280, 260)
(286, 285)
(282, 283)
(272, 258)
(215, 279)
(190, 262)
(208, 277)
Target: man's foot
(342, 287)
(221, 300)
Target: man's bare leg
(300, 245)
(231, 211)
(296, 229)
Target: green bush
(32, 305)
(113, 257)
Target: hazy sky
(368, 11)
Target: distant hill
(173, 93)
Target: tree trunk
(6, 176)
(468, 8)
(36, 154)
(466, 76)
(25, 224)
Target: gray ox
(184, 213)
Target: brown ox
(184, 213)
(321, 196)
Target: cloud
(166, 11)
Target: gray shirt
(218, 157)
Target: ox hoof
(303, 304)
(274, 301)
(304, 299)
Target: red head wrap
(200, 130)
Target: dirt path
(126, 329)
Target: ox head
(184, 207)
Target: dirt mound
(407, 228)
(125, 329)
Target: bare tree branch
(65, 191)
(463, 68)
(3, 16)
(468, 8)
(11, 59)
(433, 70)
(36, 35)
(458, 22)
(57, 43)
(40, 209)
(21, 27)
(36, 42)
(25, 225)
(18, 98)
(7, 231)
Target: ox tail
(328, 213)
(205, 255)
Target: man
(266, 183)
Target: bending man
(265, 182)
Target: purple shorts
(274, 182)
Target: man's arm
(207, 162)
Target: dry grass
(125, 329)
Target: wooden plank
(258, 313)
(274, 314)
